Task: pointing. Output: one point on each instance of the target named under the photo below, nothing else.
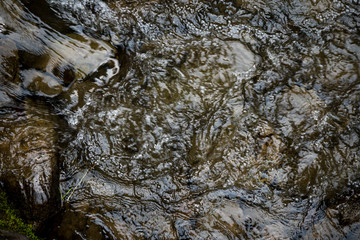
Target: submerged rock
(36, 62)
(28, 163)
(9, 72)
(7, 235)
(349, 211)
(9, 60)
(41, 84)
(197, 137)
(34, 49)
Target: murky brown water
(192, 119)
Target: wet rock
(340, 220)
(180, 99)
(76, 226)
(41, 83)
(229, 215)
(66, 73)
(9, 72)
(324, 229)
(349, 211)
(69, 57)
(76, 56)
(7, 235)
(38, 60)
(49, 61)
(9, 59)
(339, 73)
(28, 163)
(298, 111)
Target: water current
(193, 119)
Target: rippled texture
(216, 120)
(48, 60)
(37, 64)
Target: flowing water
(193, 119)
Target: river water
(194, 119)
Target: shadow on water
(194, 119)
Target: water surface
(211, 120)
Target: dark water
(195, 119)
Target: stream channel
(184, 119)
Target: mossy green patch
(9, 219)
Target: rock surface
(41, 84)
(28, 165)
(36, 64)
(7, 235)
(9, 72)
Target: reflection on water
(215, 120)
